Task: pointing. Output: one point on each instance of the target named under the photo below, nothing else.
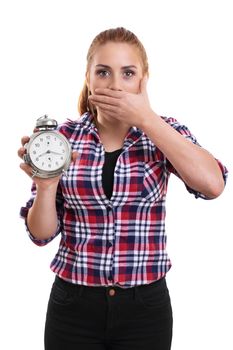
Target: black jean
(108, 318)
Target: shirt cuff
(201, 195)
(40, 242)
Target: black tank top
(108, 171)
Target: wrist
(47, 188)
(149, 119)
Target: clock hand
(49, 152)
(42, 154)
(59, 154)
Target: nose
(114, 84)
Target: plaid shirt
(121, 241)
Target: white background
(189, 45)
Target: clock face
(48, 151)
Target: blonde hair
(118, 35)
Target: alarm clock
(48, 152)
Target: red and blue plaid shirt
(121, 241)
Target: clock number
(41, 139)
(37, 145)
(48, 137)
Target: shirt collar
(87, 121)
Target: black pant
(108, 318)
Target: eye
(129, 73)
(102, 73)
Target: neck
(110, 125)
(112, 132)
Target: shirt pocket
(154, 186)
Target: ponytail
(83, 103)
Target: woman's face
(116, 66)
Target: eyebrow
(108, 67)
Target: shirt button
(112, 292)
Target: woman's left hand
(124, 106)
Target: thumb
(74, 156)
(143, 84)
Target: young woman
(110, 289)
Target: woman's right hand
(42, 183)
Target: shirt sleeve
(59, 206)
(184, 131)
